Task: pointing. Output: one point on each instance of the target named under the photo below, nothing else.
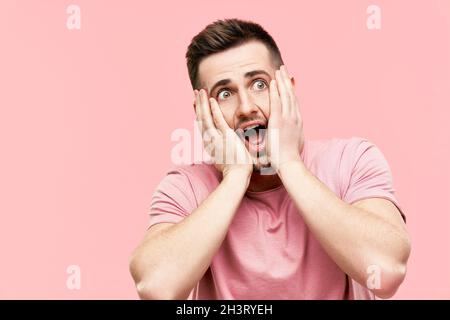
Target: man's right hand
(155, 263)
(220, 141)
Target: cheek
(228, 115)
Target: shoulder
(336, 149)
(337, 159)
(349, 166)
(196, 171)
(201, 178)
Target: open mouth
(255, 136)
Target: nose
(246, 107)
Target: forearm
(177, 258)
(354, 238)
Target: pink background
(86, 117)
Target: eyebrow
(248, 74)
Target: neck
(259, 182)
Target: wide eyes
(258, 84)
(223, 94)
(261, 84)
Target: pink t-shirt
(269, 253)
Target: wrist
(287, 167)
(238, 176)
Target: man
(324, 224)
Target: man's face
(239, 79)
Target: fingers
(286, 89)
(275, 102)
(284, 96)
(204, 112)
(295, 111)
(198, 111)
(217, 116)
(290, 90)
(196, 105)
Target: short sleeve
(173, 199)
(371, 176)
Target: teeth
(251, 127)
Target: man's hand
(221, 142)
(194, 241)
(285, 127)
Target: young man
(324, 224)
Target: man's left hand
(285, 127)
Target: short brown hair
(224, 34)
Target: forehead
(234, 62)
